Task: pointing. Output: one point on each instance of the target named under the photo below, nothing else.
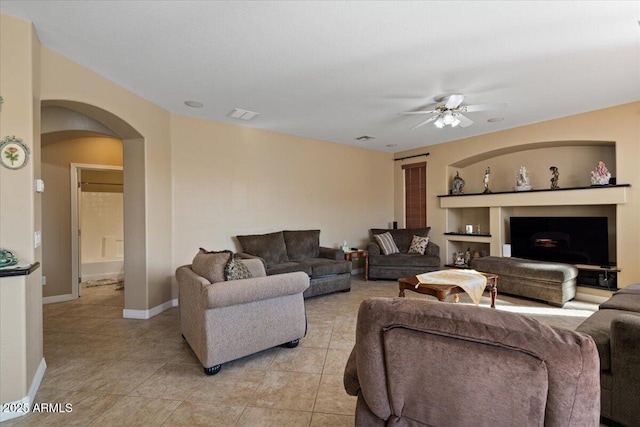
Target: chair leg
(212, 370)
(291, 344)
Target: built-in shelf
(469, 234)
(19, 270)
(593, 195)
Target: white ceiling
(336, 70)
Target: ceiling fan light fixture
(439, 123)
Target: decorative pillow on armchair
(386, 243)
(211, 264)
(236, 269)
(418, 245)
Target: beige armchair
(417, 362)
(228, 320)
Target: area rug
(118, 281)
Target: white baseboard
(129, 313)
(57, 298)
(21, 407)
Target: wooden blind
(415, 184)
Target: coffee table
(443, 291)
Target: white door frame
(75, 221)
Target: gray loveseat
(615, 328)
(403, 264)
(299, 250)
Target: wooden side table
(360, 253)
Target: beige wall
(230, 180)
(56, 202)
(144, 128)
(578, 140)
(21, 352)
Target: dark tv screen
(572, 240)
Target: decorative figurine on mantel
(457, 184)
(485, 180)
(555, 175)
(600, 175)
(522, 180)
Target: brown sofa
(402, 264)
(615, 327)
(300, 250)
(419, 363)
(227, 320)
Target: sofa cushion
(324, 267)
(236, 269)
(386, 243)
(302, 244)
(623, 301)
(270, 247)
(288, 267)
(403, 236)
(418, 245)
(211, 264)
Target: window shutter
(415, 184)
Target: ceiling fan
(449, 109)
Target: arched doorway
(61, 119)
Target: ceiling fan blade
(454, 100)
(464, 121)
(429, 120)
(483, 107)
(420, 112)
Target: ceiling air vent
(238, 113)
(365, 138)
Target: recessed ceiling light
(365, 138)
(392, 145)
(194, 104)
(496, 119)
(241, 114)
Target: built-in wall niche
(458, 221)
(574, 160)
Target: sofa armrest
(625, 371)
(331, 253)
(432, 249)
(625, 344)
(350, 376)
(373, 248)
(234, 292)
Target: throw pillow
(418, 245)
(236, 269)
(211, 264)
(387, 244)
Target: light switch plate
(38, 238)
(39, 186)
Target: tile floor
(123, 372)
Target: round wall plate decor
(13, 153)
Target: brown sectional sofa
(615, 328)
(299, 250)
(403, 264)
